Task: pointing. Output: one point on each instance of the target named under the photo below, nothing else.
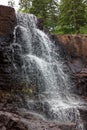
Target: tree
(72, 15)
(25, 5)
(11, 3)
(45, 9)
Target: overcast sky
(5, 2)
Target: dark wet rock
(81, 82)
(29, 121)
(7, 24)
(83, 113)
(5, 65)
(40, 23)
(75, 65)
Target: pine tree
(45, 9)
(72, 15)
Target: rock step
(28, 121)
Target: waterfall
(37, 62)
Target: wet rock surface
(28, 121)
(83, 113)
(12, 117)
(81, 82)
(5, 65)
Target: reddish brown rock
(76, 45)
(82, 73)
(7, 22)
(74, 49)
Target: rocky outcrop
(74, 51)
(7, 23)
(29, 121)
(76, 45)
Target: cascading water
(36, 62)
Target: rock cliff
(75, 45)
(74, 51)
(7, 23)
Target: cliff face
(7, 23)
(76, 45)
(74, 49)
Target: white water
(40, 63)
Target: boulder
(7, 23)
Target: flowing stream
(37, 62)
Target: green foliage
(45, 9)
(67, 17)
(28, 91)
(83, 30)
(72, 15)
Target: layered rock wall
(7, 23)
(74, 49)
(75, 45)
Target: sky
(5, 2)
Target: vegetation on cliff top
(59, 17)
